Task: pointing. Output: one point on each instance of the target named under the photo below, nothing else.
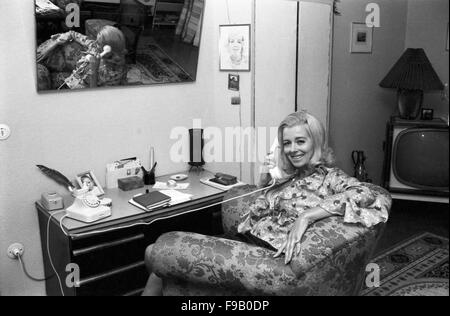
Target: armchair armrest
(332, 234)
(232, 211)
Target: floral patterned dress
(272, 215)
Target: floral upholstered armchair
(332, 261)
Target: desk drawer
(115, 282)
(107, 256)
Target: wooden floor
(409, 218)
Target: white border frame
(245, 30)
(91, 174)
(361, 48)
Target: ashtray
(179, 177)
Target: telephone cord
(49, 253)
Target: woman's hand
(298, 230)
(294, 238)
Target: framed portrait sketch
(88, 179)
(234, 49)
(361, 38)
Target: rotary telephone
(88, 208)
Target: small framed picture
(234, 49)
(233, 82)
(361, 38)
(427, 114)
(88, 179)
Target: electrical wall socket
(15, 249)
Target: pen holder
(149, 178)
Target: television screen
(420, 158)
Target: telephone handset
(276, 173)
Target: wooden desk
(112, 263)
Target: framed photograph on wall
(235, 47)
(88, 179)
(361, 38)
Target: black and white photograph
(224, 153)
(87, 180)
(233, 82)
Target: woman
(93, 66)
(312, 190)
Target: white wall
(427, 28)
(79, 131)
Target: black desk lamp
(411, 76)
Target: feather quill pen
(57, 176)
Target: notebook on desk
(159, 199)
(151, 201)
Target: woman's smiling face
(298, 145)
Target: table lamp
(411, 76)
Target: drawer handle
(111, 273)
(99, 247)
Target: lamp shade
(413, 71)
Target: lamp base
(409, 103)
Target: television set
(416, 161)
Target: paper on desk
(163, 186)
(176, 196)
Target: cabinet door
(314, 58)
(293, 49)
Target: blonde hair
(112, 36)
(322, 154)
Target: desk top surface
(123, 212)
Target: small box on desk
(131, 183)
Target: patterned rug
(416, 267)
(153, 65)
